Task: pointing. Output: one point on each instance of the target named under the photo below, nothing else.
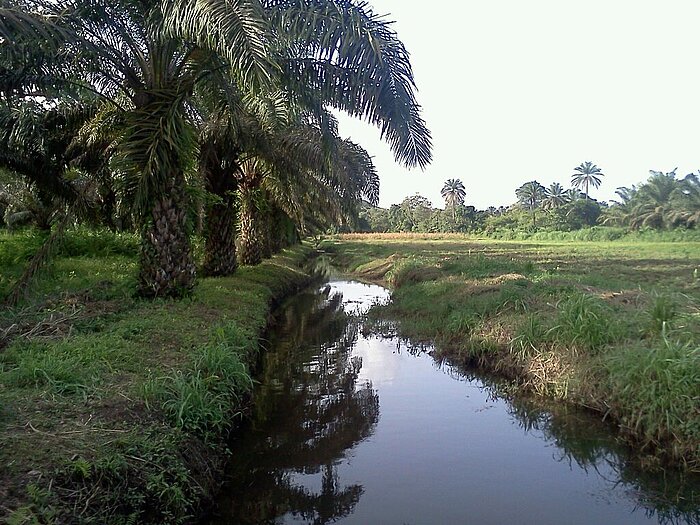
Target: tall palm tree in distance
(453, 192)
(530, 196)
(587, 174)
(555, 196)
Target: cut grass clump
(144, 479)
(529, 337)
(661, 313)
(54, 370)
(585, 321)
(654, 392)
(461, 323)
(411, 271)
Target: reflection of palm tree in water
(328, 505)
(309, 411)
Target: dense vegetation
(612, 326)
(665, 202)
(165, 117)
(145, 142)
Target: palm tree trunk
(266, 226)
(250, 235)
(220, 230)
(167, 267)
(279, 231)
(220, 245)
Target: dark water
(354, 428)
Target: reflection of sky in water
(359, 297)
(378, 365)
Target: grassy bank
(613, 326)
(115, 409)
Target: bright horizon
(514, 91)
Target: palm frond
(354, 60)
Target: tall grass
(600, 233)
(585, 321)
(655, 392)
(661, 313)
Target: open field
(114, 409)
(613, 326)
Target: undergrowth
(114, 409)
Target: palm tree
(618, 213)
(453, 192)
(34, 142)
(555, 196)
(149, 57)
(530, 196)
(686, 200)
(653, 200)
(147, 61)
(587, 174)
(310, 176)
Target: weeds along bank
(612, 326)
(113, 409)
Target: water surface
(355, 428)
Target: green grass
(586, 321)
(610, 325)
(204, 397)
(118, 406)
(653, 391)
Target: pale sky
(517, 90)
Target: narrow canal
(355, 428)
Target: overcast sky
(517, 90)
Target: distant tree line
(665, 201)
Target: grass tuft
(585, 321)
(201, 398)
(661, 312)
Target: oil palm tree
(653, 201)
(530, 196)
(686, 200)
(587, 174)
(147, 57)
(453, 192)
(231, 125)
(342, 55)
(311, 176)
(555, 197)
(154, 54)
(35, 143)
(618, 214)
